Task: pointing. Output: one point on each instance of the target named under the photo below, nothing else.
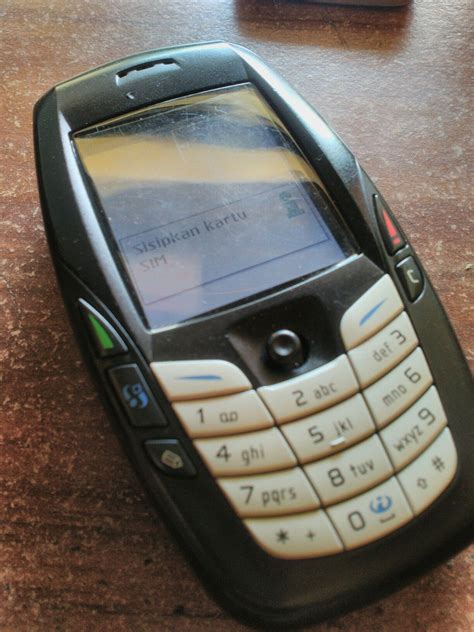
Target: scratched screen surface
(210, 201)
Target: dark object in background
(365, 3)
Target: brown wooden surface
(79, 546)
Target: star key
(282, 536)
(311, 535)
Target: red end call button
(392, 237)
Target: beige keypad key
(312, 391)
(372, 311)
(382, 352)
(295, 537)
(350, 472)
(395, 392)
(372, 515)
(191, 379)
(330, 431)
(218, 416)
(415, 429)
(429, 475)
(284, 492)
(250, 453)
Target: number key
(351, 471)
(409, 435)
(312, 391)
(262, 451)
(218, 416)
(395, 392)
(330, 431)
(270, 494)
(371, 515)
(382, 352)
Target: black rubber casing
(255, 586)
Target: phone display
(186, 183)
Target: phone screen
(209, 201)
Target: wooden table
(79, 545)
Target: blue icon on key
(367, 316)
(380, 504)
(135, 396)
(199, 377)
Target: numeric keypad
(332, 459)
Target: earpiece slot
(147, 68)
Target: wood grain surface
(80, 548)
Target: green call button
(100, 331)
(105, 339)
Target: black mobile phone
(279, 368)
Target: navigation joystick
(285, 349)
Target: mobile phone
(275, 359)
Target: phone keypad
(335, 458)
